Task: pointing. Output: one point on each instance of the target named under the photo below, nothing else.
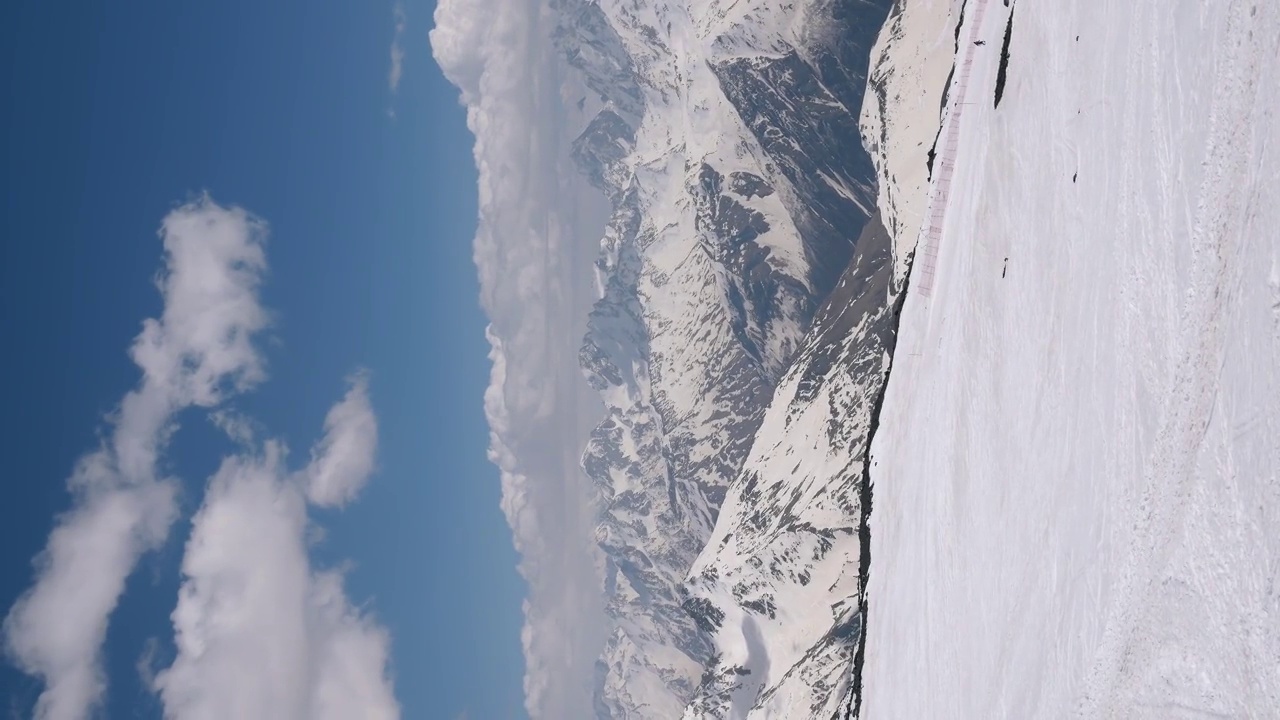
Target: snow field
(1077, 501)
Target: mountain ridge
(728, 145)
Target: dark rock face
(803, 110)
(729, 234)
(746, 185)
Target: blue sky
(114, 115)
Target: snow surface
(1077, 501)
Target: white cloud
(397, 48)
(538, 233)
(261, 634)
(238, 428)
(343, 461)
(198, 351)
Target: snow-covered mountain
(728, 143)
(956, 400)
(780, 583)
(1073, 463)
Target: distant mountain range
(740, 346)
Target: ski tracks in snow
(948, 145)
(1127, 650)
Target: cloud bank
(199, 351)
(538, 233)
(260, 634)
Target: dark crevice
(852, 709)
(960, 24)
(866, 491)
(955, 54)
(946, 90)
(1003, 73)
(933, 152)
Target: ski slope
(1077, 469)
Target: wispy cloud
(260, 633)
(343, 461)
(196, 353)
(538, 233)
(396, 72)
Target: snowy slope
(1077, 469)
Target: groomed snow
(1077, 501)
